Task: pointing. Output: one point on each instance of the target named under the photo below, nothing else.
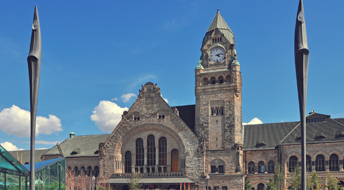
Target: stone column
(145, 160)
(156, 158)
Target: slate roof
(23, 156)
(268, 136)
(79, 146)
(221, 24)
(187, 114)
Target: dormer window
(161, 116)
(136, 118)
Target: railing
(148, 175)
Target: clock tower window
(220, 79)
(213, 80)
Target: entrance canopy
(171, 181)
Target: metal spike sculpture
(34, 63)
(301, 65)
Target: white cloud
(9, 146)
(140, 81)
(253, 121)
(164, 99)
(107, 115)
(16, 121)
(114, 99)
(126, 97)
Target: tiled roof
(23, 156)
(86, 145)
(221, 24)
(321, 128)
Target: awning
(151, 180)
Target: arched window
(89, 171)
(76, 171)
(292, 163)
(221, 79)
(308, 163)
(162, 151)
(127, 162)
(334, 163)
(205, 81)
(96, 171)
(139, 152)
(271, 166)
(83, 171)
(213, 80)
(261, 167)
(151, 150)
(250, 167)
(174, 160)
(260, 186)
(217, 166)
(320, 163)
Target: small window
(320, 163)
(161, 116)
(271, 168)
(308, 163)
(213, 169)
(136, 118)
(224, 187)
(334, 163)
(213, 80)
(292, 163)
(221, 79)
(260, 186)
(205, 81)
(221, 170)
(261, 167)
(250, 168)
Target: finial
(218, 9)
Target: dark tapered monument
(301, 65)
(34, 63)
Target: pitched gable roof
(319, 128)
(86, 145)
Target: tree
(332, 182)
(134, 182)
(278, 178)
(271, 184)
(314, 182)
(248, 185)
(294, 182)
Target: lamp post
(94, 182)
(207, 178)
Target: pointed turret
(221, 24)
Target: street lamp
(94, 182)
(207, 178)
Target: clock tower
(219, 101)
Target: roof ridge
(337, 122)
(289, 133)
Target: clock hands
(218, 55)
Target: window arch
(221, 79)
(271, 166)
(250, 167)
(174, 160)
(76, 171)
(96, 171)
(127, 162)
(89, 171)
(151, 150)
(308, 163)
(205, 81)
(320, 163)
(213, 80)
(292, 163)
(334, 163)
(261, 167)
(83, 171)
(162, 151)
(260, 186)
(217, 166)
(139, 153)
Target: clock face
(217, 54)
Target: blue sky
(97, 54)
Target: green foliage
(104, 188)
(248, 185)
(314, 182)
(332, 182)
(271, 184)
(295, 179)
(278, 178)
(134, 182)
